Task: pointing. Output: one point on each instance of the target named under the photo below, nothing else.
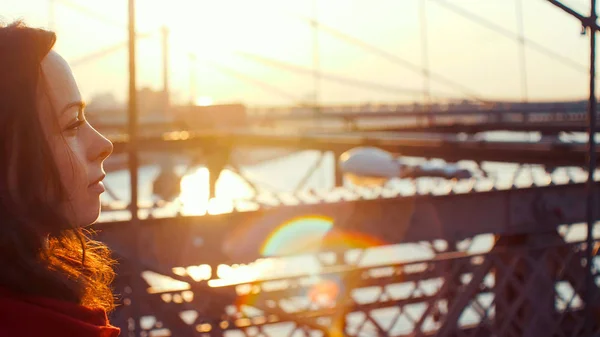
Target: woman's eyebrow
(79, 104)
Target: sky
(226, 37)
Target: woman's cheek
(70, 164)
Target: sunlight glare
(244, 273)
(194, 195)
(204, 101)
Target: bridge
(524, 282)
(501, 253)
(515, 286)
(547, 118)
(449, 133)
(451, 148)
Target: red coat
(22, 316)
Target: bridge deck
(545, 119)
(447, 147)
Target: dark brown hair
(41, 253)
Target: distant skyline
(485, 62)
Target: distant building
(152, 108)
(153, 104)
(223, 116)
(104, 101)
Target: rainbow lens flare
(313, 233)
(304, 235)
(296, 236)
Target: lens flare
(325, 293)
(313, 233)
(304, 235)
(319, 291)
(341, 240)
(296, 236)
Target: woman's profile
(54, 280)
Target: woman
(54, 281)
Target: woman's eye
(74, 127)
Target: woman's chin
(88, 217)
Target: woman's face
(78, 149)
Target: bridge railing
(526, 278)
(357, 119)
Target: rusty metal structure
(530, 282)
(536, 276)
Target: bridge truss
(534, 280)
(530, 281)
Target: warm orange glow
(195, 192)
(324, 293)
(204, 101)
(242, 273)
(280, 29)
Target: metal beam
(591, 196)
(216, 239)
(358, 112)
(586, 22)
(474, 128)
(137, 287)
(447, 147)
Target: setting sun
(216, 30)
(204, 101)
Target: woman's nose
(101, 147)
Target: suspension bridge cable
(263, 85)
(585, 21)
(522, 49)
(387, 55)
(51, 15)
(184, 48)
(425, 53)
(98, 54)
(509, 34)
(107, 51)
(398, 60)
(316, 59)
(309, 72)
(335, 78)
(88, 12)
(330, 77)
(192, 84)
(114, 48)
